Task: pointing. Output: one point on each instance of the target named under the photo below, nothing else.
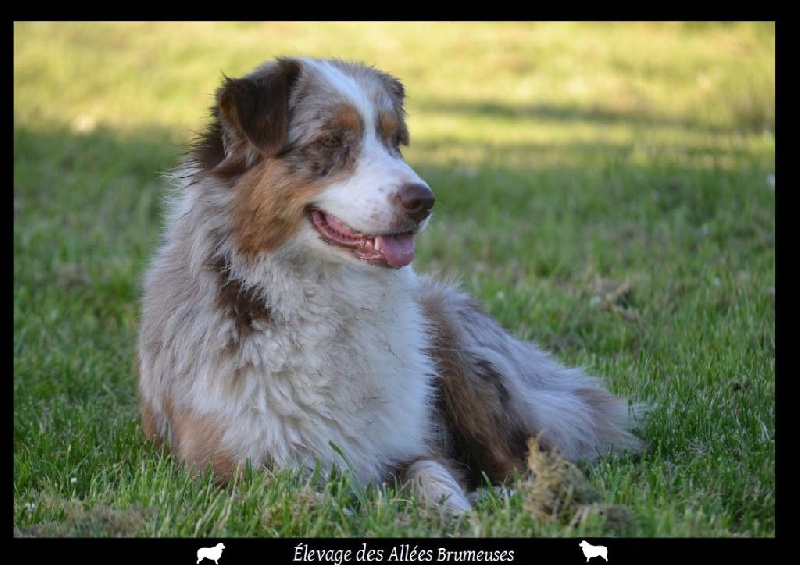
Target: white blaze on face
(365, 200)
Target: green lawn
(605, 189)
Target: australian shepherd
(283, 325)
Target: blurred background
(563, 77)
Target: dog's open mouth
(393, 250)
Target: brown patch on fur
(387, 125)
(474, 406)
(269, 207)
(148, 417)
(242, 304)
(149, 422)
(393, 130)
(347, 118)
(196, 439)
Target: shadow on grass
(102, 151)
(76, 184)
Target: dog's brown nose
(416, 200)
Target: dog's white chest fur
(350, 373)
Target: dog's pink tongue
(398, 249)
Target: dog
(590, 550)
(283, 325)
(211, 553)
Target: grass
(605, 189)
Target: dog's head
(311, 151)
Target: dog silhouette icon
(590, 550)
(210, 553)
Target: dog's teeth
(377, 244)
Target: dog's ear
(256, 108)
(394, 87)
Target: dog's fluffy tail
(513, 390)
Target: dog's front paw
(434, 484)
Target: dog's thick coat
(282, 323)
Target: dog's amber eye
(332, 140)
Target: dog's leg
(432, 483)
(193, 437)
(496, 391)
